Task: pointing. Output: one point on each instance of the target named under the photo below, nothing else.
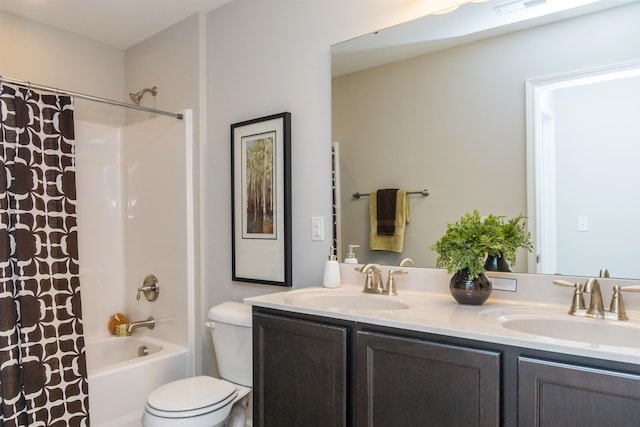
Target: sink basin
(343, 301)
(589, 331)
(549, 323)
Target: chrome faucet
(149, 323)
(373, 282)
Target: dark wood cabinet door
(410, 382)
(300, 373)
(558, 394)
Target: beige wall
(454, 122)
(48, 56)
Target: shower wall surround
(133, 203)
(100, 224)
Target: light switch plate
(583, 223)
(317, 228)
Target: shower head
(136, 97)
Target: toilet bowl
(205, 401)
(196, 402)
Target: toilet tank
(230, 325)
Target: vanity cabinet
(412, 382)
(559, 394)
(300, 372)
(319, 371)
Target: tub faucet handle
(149, 288)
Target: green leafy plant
(466, 244)
(514, 236)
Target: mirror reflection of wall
(595, 150)
(453, 121)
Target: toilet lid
(190, 394)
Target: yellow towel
(393, 243)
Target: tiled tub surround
(431, 309)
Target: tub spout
(149, 323)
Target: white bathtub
(120, 380)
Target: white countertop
(438, 313)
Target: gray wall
(48, 56)
(266, 57)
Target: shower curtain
(43, 376)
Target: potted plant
(514, 237)
(466, 244)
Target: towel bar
(424, 193)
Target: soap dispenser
(351, 257)
(331, 277)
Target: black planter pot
(471, 292)
(497, 263)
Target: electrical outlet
(317, 228)
(503, 284)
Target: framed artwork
(261, 200)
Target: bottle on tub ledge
(331, 277)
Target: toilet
(205, 401)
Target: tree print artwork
(258, 186)
(261, 200)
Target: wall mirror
(440, 103)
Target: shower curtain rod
(88, 97)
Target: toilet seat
(191, 397)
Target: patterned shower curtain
(43, 375)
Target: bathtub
(120, 380)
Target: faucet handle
(617, 304)
(633, 288)
(564, 283)
(391, 283)
(577, 302)
(149, 288)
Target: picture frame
(261, 200)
